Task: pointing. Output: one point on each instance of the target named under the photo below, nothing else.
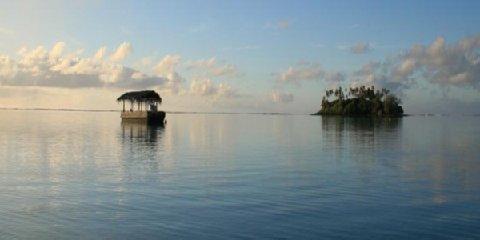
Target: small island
(361, 101)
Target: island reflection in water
(85, 175)
(360, 130)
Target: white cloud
(56, 51)
(206, 87)
(122, 52)
(334, 77)
(139, 75)
(174, 82)
(455, 64)
(281, 97)
(22, 50)
(361, 48)
(167, 65)
(100, 53)
(406, 67)
(301, 73)
(211, 67)
(203, 87)
(166, 68)
(8, 68)
(145, 62)
(307, 71)
(35, 61)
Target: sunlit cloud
(168, 64)
(361, 48)
(281, 97)
(206, 87)
(122, 52)
(213, 68)
(100, 53)
(307, 71)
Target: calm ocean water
(85, 175)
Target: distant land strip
(225, 113)
(111, 110)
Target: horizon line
(193, 112)
(112, 110)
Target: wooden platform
(150, 117)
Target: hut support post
(123, 102)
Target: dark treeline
(361, 101)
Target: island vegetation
(360, 101)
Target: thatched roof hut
(141, 96)
(147, 98)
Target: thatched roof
(140, 96)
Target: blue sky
(252, 43)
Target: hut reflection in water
(140, 129)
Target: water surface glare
(86, 175)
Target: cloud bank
(445, 65)
(55, 68)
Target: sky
(239, 56)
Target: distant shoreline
(229, 113)
(110, 110)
